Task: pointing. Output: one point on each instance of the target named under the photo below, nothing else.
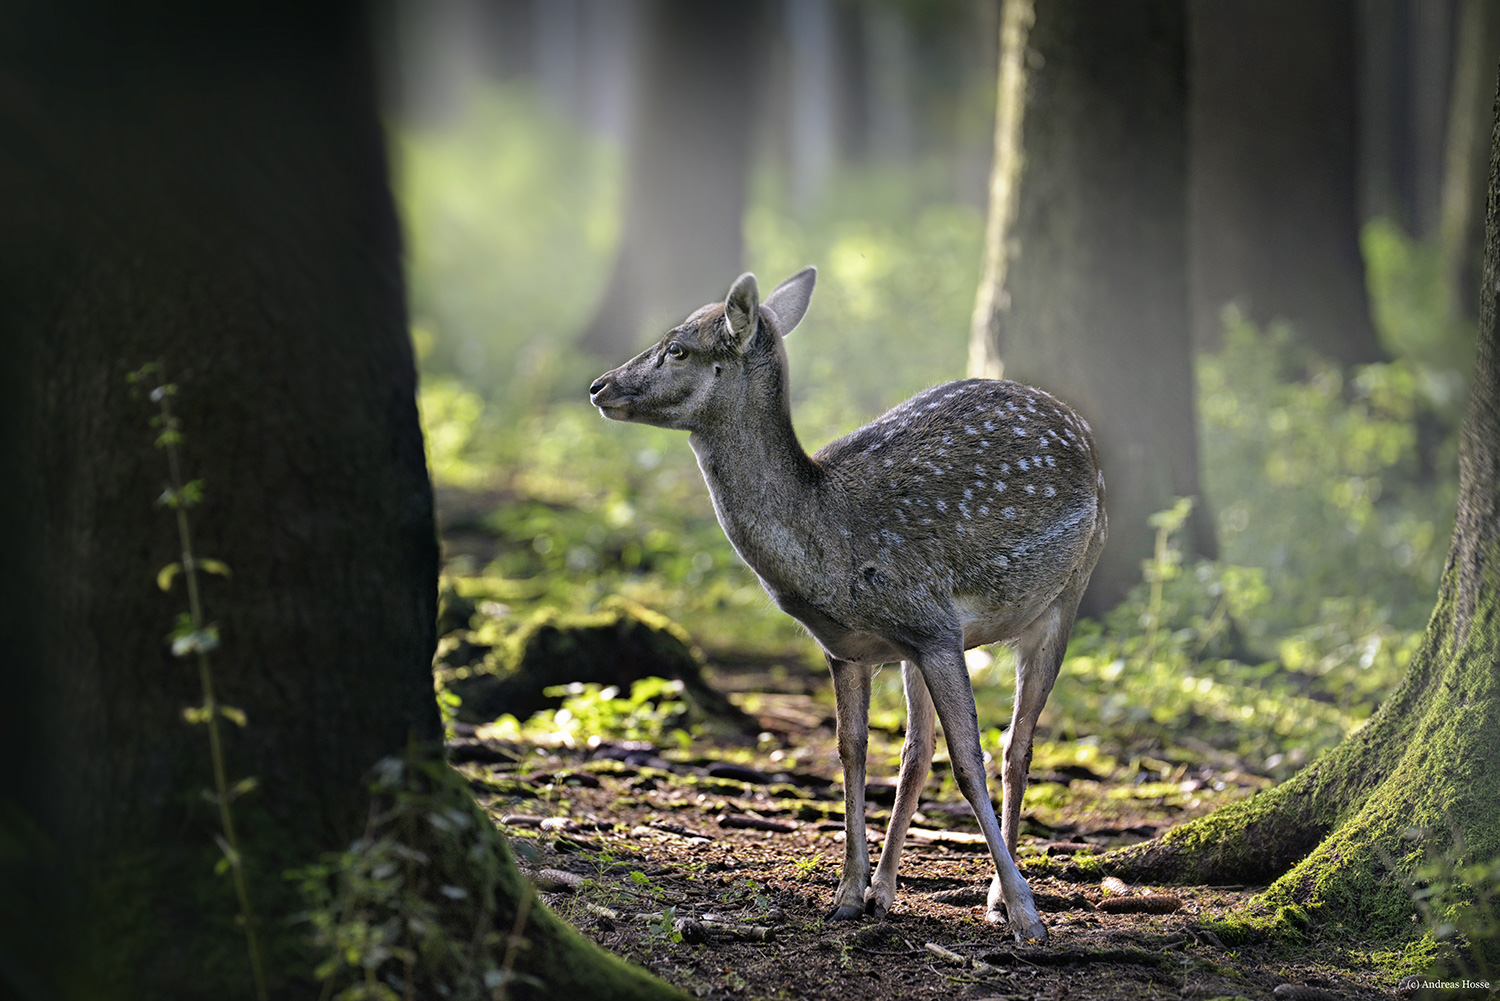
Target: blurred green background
(1331, 487)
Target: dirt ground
(712, 865)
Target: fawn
(972, 513)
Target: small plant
(1460, 903)
(650, 711)
(807, 866)
(409, 911)
(194, 636)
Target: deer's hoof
(844, 912)
(878, 901)
(1031, 932)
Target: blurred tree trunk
(207, 187)
(1462, 222)
(1405, 57)
(687, 169)
(1273, 213)
(1085, 284)
(1425, 760)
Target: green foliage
(650, 711)
(410, 910)
(890, 317)
(1166, 664)
(1409, 300)
(1458, 898)
(1325, 482)
(653, 710)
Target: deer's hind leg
(1039, 656)
(947, 676)
(916, 760)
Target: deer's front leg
(916, 760)
(851, 696)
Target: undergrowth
(409, 910)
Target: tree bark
(1085, 283)
(687, 170)
(207, 187)
(1326, 837)
(1273, 216)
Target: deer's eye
(676, 351)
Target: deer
(971, 514)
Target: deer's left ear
(788, 301)
(742, 310)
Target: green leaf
(196, 714)
(165, 574)
(233, 714)
(243, 786)
(196, 641)
(213, 566)
(169, 438)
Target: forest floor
(712, 865)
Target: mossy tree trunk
(206, 186)
(1085, 282)
(1426, 760)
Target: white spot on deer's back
(963, 509)
(1020, 432)
(1009, 512)
(942, 505)
(1024, 465)
(999, 486)
(1031, 488)
(1050, 492)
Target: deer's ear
(742, 309)
(788, 301)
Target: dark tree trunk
(1327, 836)
(1405, 52)
(687, 169)
(1273, 216)
(1477, 50)
(207, 187)
(1085, 286)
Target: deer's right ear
(742, 309)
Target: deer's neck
(765, 493)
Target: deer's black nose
(599, 384)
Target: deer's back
(987, 489)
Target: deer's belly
(838, 640)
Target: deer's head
(721, 359)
